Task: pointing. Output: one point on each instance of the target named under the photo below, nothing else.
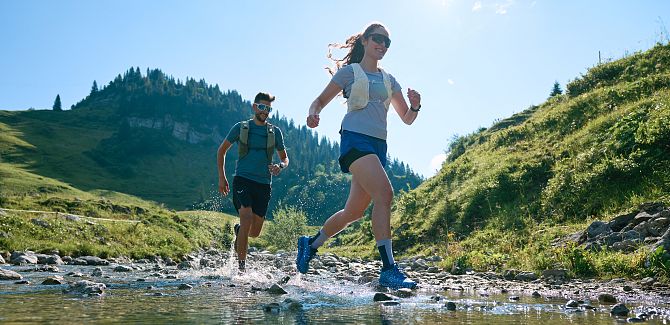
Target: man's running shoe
(395, 279)
(305, 254)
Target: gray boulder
(54, 280)
(90, 260)
(621, 221)
(85, 287)
(526, 277)
(597, 228)
(277, 290)
(619, 310)
(9, 275)
(23, 258)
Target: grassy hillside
(506, 192)
(156, 138)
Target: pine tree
(57, 104)
(556, 90)
(94, 88)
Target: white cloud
(501, 9)
(477, 6)
(451, 82)
(436, 162)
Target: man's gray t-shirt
(371, 119)
(254, 165)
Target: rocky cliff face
(180, 130)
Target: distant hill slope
(155, 137)
(601, 148)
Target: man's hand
(274, 169)
(223, 186)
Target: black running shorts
(247, 193)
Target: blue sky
(473, 61)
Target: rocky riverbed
(271, 285)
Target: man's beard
(261, 117)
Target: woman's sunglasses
(264, 107)
(381, 39)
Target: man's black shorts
(247, 193)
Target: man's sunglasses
(381, 39)
(264, 107)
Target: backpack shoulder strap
(243, 143)
(271, 141)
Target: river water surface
(152, 294)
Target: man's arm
(283, 158)
(224, 188)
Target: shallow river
(224, 296)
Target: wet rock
(572, 304)
(291, 305)
(53, 280)
(526, 277)
(76, 274)
(185, 286)
(619, 310)
(86, 287)
(22, 282)
(272, 308)
(89, 260)
(53, 260)
(391, 303)
(510, 274)
(450, 305)
(627, 288)
(277, 290)
(97, 272)
(23, 258)
(635, 320)
(555, 273)
(186, 264)
(381, 296)
(284, 280)
(123, 268)
(648, 281)
(536, 294)
(513, 298)
(404, 292)
(205, 262)
(607, 298)
(42, 268)
(169, 262)
(9, 275)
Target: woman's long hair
(355, 45)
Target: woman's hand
(414, 98)
(313, 120)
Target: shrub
(289, 223)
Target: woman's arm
(328, 93)
(406, 114)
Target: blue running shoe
(305, 254)
(395, 279)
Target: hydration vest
(360, 89)
(243, 145)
